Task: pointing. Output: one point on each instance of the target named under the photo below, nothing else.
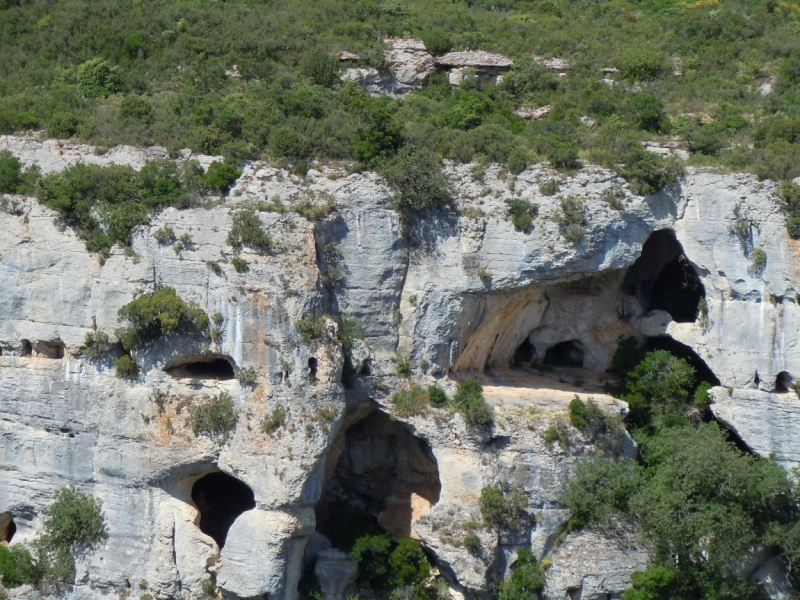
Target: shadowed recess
(662, 278)
(564, 354)
(203, 367)
(703, 372)
(7, 527)
(220, 499)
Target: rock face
(470, 297)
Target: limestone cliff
(459, 297)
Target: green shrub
(214, 267)
(371, 552)
(125, 366)
(247, 230)
(350, 330)
(646, 111)
(215, 418)
(320, 67)
(759, 262)
(240, 265)
(411, 402)
(522, 212)
(10, 173)
(62, 124)
(663, 379)
(221, 176)
(311, 327)
(417, 176)
(437, 396)
(557, 432)
(525, 581)
(701, 397)
(408, 563)
(164, 235)
(74, 522)
(287, 142)
(402, 365)
(162, 312)
(274, 420)
(469, 401)
(472, 543)
(549, 187)
(570, 218)
(502, 509)
(627, 355)
(17, 566)
(98, 77)
(640, 63)
(246, 376)
(135, 108)
(517, 160)
(95, 344)
(437, 41)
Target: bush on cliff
(158, 313)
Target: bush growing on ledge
(522, 212)
(247, 231)
(246, 376)
(437, 396)
(469, 401)
(525, 581)
(570, 218)
(240, 265)
(417, 174)
(220, 176)
(162, 312)
(274, 420)
(411, 402)
(126, 367)
(311, 327)
(216, 418)
(95, 344)
(502, 509)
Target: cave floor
(544, 390)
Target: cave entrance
(662, 278)
(312, 371)
(702, 371)
(564, 354)
(783, 383)
(26, 349)
(385, 477)
(525, 354)
(7, 528)
(50, 349)
(220, 499)
(203, 367)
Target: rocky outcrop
(485, 66)
(468, 294)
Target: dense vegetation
(73, 527)
(155, 73)
(697, 500)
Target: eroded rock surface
(472, 292)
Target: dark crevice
(312, 370)
(525, 354)
(203, 367)
(7, 527)
(564, 354)
(220, 499)
(783, 383)
(26, 348)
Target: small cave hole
(312, 370)
(525, 354)
(662, 278)
(7, 528)
(26, 348)
(220, 499)
(564, 354)
(50, 349)
(783, 382)
(203, 367)
(365, 370)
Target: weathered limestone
(334, 571)
(65, 419)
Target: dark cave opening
(783, 383)
(564, 354)
(26, 349)
(662, 278)
(220, 499)
(702, 370)
(203, 367)
(312, 370)
(525, 354)
(50, 349)
(7, 528)
(385, 478)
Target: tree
(663, 379)
(437, 41)
(417, 175)
(320, 67)
(98, 77)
